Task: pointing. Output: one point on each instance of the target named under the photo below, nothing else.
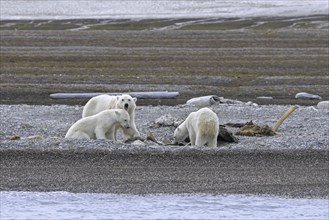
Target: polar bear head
(180, 134)
(126, 102)
(123, 118)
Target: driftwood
(140, 95)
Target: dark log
(140, 95)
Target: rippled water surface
(64, 205)
(50, 9)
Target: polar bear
(100, 126)
(201, 127)
(103, 102)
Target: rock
(203, 101)
(323, 105)
(305, 95)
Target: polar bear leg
(111, 134)
(193, 137)
(79, 135)
(212, 143)
(100, 134)
(131, 132)
(201, 141)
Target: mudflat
(233, 58)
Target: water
(137, 9)
(64, 205)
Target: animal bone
(284, 117)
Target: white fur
(103, 102)
(100, 126)
(201, 127)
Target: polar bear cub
(201, 127)
(100, 126)
(103, 102)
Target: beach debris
(230, 101)
(284, 117)
(323, 105)
(312, 108)
(17, 137)
(133, 139)
(225, 136)
(140, 95)
(13, 137)
(166, 141)
(251, 129)
(150, 137)
(166, 120)
(305, 95)
(250, 103)
(203, 101)
(35, 137)
(264, 97)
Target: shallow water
(76, 9)
(64, 205)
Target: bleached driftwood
(140, 95)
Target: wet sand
(298, 173)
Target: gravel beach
(36, 157)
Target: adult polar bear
(100, 126)
(201, 127)
(104, 102)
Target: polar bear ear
(117, 113)
(118, 97)
(135, 99)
